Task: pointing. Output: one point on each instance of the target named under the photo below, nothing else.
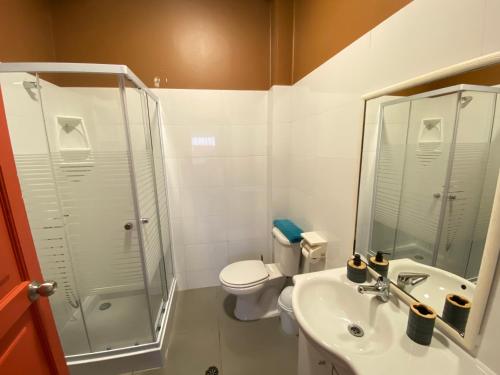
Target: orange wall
(211, 44)
(281, 42)
(26, 31)
(322, 28)
(486, 76)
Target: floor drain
(212, 370)
(104, 306)
(355, 330)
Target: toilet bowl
(256, 285)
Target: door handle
(44, 289)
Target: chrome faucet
(411, 278)
(381, 289)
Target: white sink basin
(325, 304)
(434, 289)
(320, 298)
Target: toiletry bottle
(356, 269)
(379, 264)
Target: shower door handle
(144, 220)
(44, 289)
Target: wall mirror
(430, 163)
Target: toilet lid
(244, 272)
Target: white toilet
(256, 285)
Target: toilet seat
(244, 274)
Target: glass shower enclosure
(437, 165)
(87, 140)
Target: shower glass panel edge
(157, 138)
(118, 358)
(446, 187)
(133, 181)
(470, 185)
(139, 130)
(160, 206)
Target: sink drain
(355, 330)
(104, 306)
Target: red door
(29, 344)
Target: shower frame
(456, 89)
(148, 355)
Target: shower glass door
(469, 161)
(393, 129)
(147, 194)
(426, 162)
(91, 160)
(88, 150)
(157, 141)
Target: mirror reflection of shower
(437, 164)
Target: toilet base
(262, 304)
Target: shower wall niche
(437, 164)
(89, 160)
(71, 134)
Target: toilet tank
(286, 255)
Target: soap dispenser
(356, 269)
(379, 264)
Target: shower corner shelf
(72, 134)
(431, 130)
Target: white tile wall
(280, 124)
(327, 109)
(491, 42)
(309, 167)
(327, 113)
(488, 350)
(217, 164)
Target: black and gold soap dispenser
(379, 263)
(356, 269)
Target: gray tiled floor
(206, 334)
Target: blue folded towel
(289, 229)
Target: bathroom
(188, 180)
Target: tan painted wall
(487, 76)
(26, 31)
(209, 44)
(322, 28)
(281, 42)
